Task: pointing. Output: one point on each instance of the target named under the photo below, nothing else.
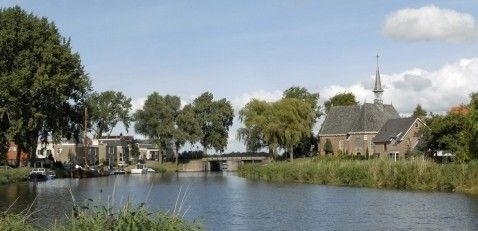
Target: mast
(85, 137)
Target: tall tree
(215, 118)
(341, 99)
(157, 119)
(254, 117)
(307, 143)
(419, 112)
(472, 135)
(43, 82)
(291, 122)
(107, 109)
(188, 129)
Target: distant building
(11, 157)
(148, 151)
(351, 129)
(397, 137)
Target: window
(48, 152)
(393, 155)
(416, 125)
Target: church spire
(377, 90)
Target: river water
(222, 201)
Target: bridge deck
(234, 158)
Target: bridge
(231, 163)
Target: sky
(256, 49)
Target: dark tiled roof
(365, 118)
(394, 128)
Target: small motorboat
(140, 169)
(150, 170)
(41, 174)
(118, 172)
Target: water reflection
(227, 202)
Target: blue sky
(243, 49)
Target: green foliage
(255, 117)
(417, 174)
(302, 94)
(44, 84)
(107, 109)
(13, 175)
(214, 117)
(419, 112)
(286, 123)
(341, 99)
(328, 148)
(158, 118)
(104, 217)
(134, 149)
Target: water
(227, 202)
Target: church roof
(394, 128)
(361, 118)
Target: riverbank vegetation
(417, 174)
(99, 218)
(12, 175)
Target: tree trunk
(204, 151)
(19, 153)
(176, 154)
(291, 153)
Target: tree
(134, 149)
(305, 146)
(157, 119)
(328, 148)
(107, 109)
(214, 118)
(419, 112)
(188, 129)
(472, 136)
(341, 99)
(43, 82)
(254, 116)
(303, 94)
(286, 124)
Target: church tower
(377, 90)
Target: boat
(41, 174)
(118, 172)
(140, 169)
(150, 170)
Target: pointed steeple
(378, 90)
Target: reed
(12, 175)
(417, 174)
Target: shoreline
(411, 175)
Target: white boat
(140, 169)
(150, 170)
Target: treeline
(455, 132)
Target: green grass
(13, 175)
(415, 174)
(99, 218)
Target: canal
(223, 201)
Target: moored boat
(140, 169)
(40, 174)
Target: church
(351, 129)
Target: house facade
(351, 129)
(397, 138)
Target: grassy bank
(99, 218)
(13, 175)
(403, 174)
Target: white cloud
(269, 96)
(137, 103)
(436, 90)
(429, 23)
